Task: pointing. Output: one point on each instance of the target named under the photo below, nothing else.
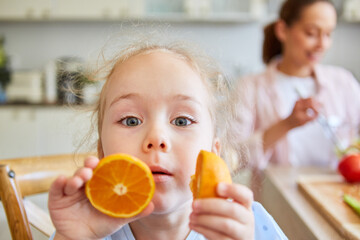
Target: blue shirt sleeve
(265, 226)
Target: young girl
(161, 104)
(298, 111)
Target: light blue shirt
(265, 228)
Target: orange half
(210, 170)
(121, 186)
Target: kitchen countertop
(295, 214)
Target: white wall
(345, 51)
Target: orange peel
(210, 171)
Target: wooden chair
(23, 177)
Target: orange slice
(210, 170)
(121, 186)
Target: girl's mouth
(160, 174)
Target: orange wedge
(210, 170)
(121, 186)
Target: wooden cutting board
(325, 193)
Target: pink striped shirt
(258, 108)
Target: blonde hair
(219, 87)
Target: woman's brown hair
(290, 12)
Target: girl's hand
(72, 213)
(305, 110)
(219, 218)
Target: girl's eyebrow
(181, 97)
(178, 97)
(125, 96)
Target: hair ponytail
(271, 46)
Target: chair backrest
(21, 177)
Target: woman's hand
(72, 213)
(304, 111)
(220, 218)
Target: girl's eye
(181, 121)
(130, 121)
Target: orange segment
(210, 170)
(121, 186)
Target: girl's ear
(216, 146)
(280, 30)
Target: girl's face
(157, 109)
(306, 40)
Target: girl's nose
(156, 140)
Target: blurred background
(39, 37)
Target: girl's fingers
(224, 208)
(84, 173)
(216, 226)
(239, 193)
(76, 182)
(91, 162)
(73, 185)
(209, 234)
(56, 190)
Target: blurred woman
(297, 112)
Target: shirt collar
(319, 80)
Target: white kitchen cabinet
(17, 132)
(140, 10)
(40, 130)
(77, 9)
(25, 9)
(95, 9)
